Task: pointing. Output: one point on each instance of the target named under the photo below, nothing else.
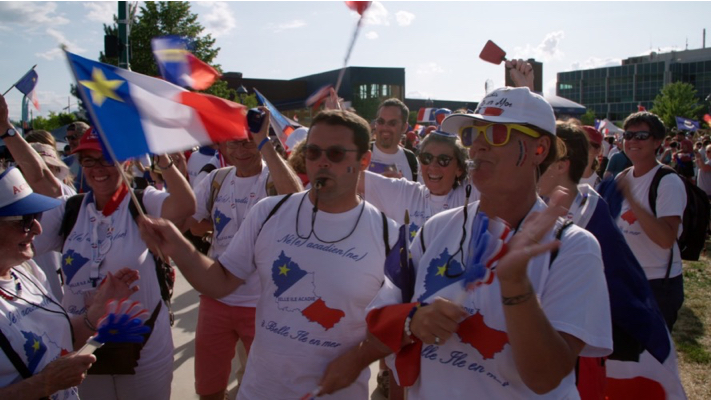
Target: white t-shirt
(572, 293)
(236, 197)
(399, 159)
(198, 160)
(671, 201)
(592, 180)
(703, 179)
(394, 196)
(120, 245)
(38, 336)
(314, 294)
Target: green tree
(53, 121)
(588, 118)
(366, 108)
(677, 99)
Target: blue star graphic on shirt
(221, 220)
(437, 277)
(71, 263)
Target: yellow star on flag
(283, 270)
(69, 260)
(36, 345)
(440, 270)
(101, 88)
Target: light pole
(241, 92)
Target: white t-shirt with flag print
(123, 247)
(394, 196)
(572, 293)
(671, 201)
(38, 336)
(314, 294)
(380, 159)
(236, 197)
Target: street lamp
(241, 92)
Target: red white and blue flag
(179, 66)
(318, 97)
(427, 115)
(137, 114)
(281, 125)
(27, 84)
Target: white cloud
(295, 24)
(430, 68)
(660, 50)
(547, 50)
(220, 20)
(101, 11)
(31, 14)
(371, 35)
(61, 40)
(404, 18)
(376, 14)
(594, 62)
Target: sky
(438, 43)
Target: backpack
(164, 271)
(695, 220)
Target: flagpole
(107, 144)
(33, 67)
(348, 54)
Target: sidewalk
(185, 308)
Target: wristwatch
(10, 132)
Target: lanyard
(253, 197)
(102, 231)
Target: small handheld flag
(26, 85)
(179, 66)
(359, 7)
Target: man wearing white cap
(518, 333)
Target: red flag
(358, 6)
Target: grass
(692, 331)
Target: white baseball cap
(17, 197)
(507, 105)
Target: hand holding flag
(26, 85)
(123, 323)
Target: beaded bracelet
(262, 143)
(170, 164)
(408, 320)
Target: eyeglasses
(247, 144)
(27, 220)
(335, 154)
(72, 137)
(391, 123)
(89, 162)
(640, 135)
(495, 134)
(442, 159)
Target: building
(615, 92)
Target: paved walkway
(185, 307)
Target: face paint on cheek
(522, 151)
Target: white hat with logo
(17, 197)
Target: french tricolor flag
(179, 66)
(426, 115)
(137, 114)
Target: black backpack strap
(274, 210)
(412, 161)
(71, 212)
(652, 198)
(422, 238)
(558, 236)
(14, 357)
(386, 236)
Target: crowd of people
(290, 252)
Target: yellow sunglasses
(495, 134)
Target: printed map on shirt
(296, 293)
(444, 271)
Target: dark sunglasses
(27, 220)
(89, 162)
(72, 137)
(442, 159)
(335, 154)
(641, 135)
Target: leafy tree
(367, 108)
(53, 121)
(677, 99)
(588, 118)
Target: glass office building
(615, 92)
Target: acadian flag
(281, 125)
(137, 114)
(27, 84)
(179, 66)
(685, 124)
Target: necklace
(18, 288)
(313, 221)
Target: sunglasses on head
(334, 154)
(27, 220)
(641, 135)
(442, 159)
(495, 134)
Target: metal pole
(123, 34)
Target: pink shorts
(219, 328)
